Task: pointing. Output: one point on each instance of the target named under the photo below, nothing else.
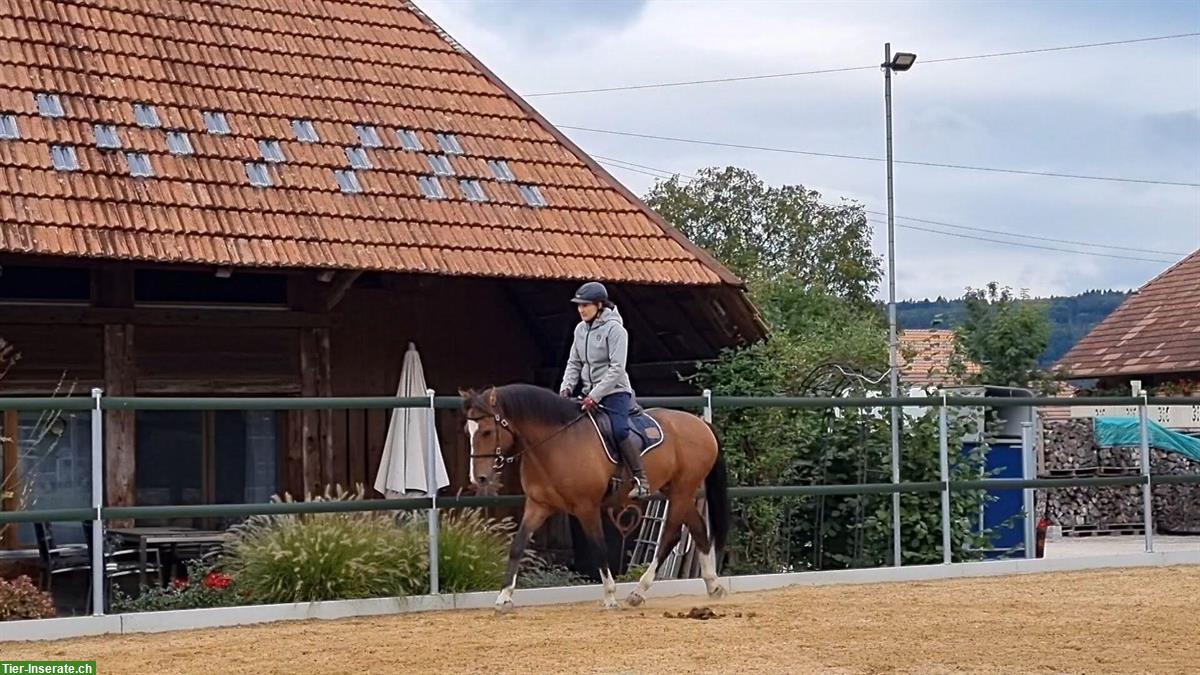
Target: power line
(1023, 245)
(745, 78)
(865, 158)
(659, 173)
(1030, 236)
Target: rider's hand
(589, 404)
(565, 393)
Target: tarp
(402, 467)
(1124, 432)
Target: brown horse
(564, 468)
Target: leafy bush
(20, 599)
(537, 572)
(204, 586)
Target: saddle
(641, 423)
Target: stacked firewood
(1070, 450)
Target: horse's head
(492, 438)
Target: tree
(765, 233)
(1005, 334)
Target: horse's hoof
(610, 604)
(635, 599)
(504, 608)
(717, 592)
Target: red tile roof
(337, 63)
(925, 358)
(1156, 330)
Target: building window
(259, 175)
(216, 123)
(54, 468)
(139, 164)
(501, 171)
(408, 139)
(532, 195)
(8, 127)
(146, 116)
(271, 150)
(449, 144)
(64, 158)
(347, 181)
(473, 190)
(368, 135)
(106, 137)
(431, 187)
(440, 164)
(358, 158)
(179, 143)
(305, 131)
(50, 105)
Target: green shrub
(473, 553)
(536, 572)
(20, 599)
(204, 586)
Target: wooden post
(310, 452)
(329, 473)
(11, 478)
(119, 431)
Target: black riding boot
(631, 450)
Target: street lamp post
(900, 63)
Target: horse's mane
(527, 402)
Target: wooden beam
(11, 483)
(153, 316)
(113, 286)
(324, 375)
(310, 457)
(119, 431)
(341, 283)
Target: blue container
(1003, 514)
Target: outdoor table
(145, 537)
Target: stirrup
(640, 489)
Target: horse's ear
(468, 397)
(492, 397)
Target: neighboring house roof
(270, 69)
(925, 357)
(1155, 331)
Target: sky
(1128, 111)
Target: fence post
(944, 458)
(1028, 472)
(97, 504)
(708, 407)
(431, 490)
(1147, 491)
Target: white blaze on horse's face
(472, 427)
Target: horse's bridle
(500, 460)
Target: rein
(500, 460)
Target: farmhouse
(229, 198)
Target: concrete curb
(185, 619)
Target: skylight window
(217, 123)
(368, 135)
(408, 139)
(440, 165)
(259, 174)
(305, 131)
(473, 190)
(8, 127)
(347, 180)
(139, 164)
(358, 158)
(50, 105)
(533, 196)
(449, 144)
(64, 157)
(431, 187)
(501, 171)
(271, 150)
(179, 143)
(146, 116)
(106, 137)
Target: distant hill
(1070, 317)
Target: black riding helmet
(591, 293)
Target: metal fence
(98, 513)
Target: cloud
(1125, 110)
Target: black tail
(716, 491)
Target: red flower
(179, 584)
(217, 580)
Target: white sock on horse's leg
(708, 570)
(647, 578)
(506, 594)
(610, 589)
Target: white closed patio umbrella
(402, 469)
